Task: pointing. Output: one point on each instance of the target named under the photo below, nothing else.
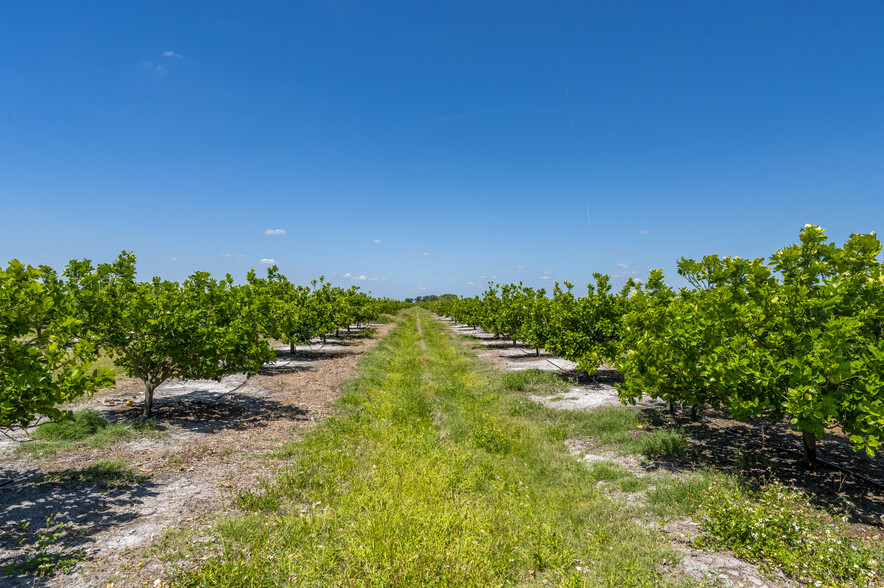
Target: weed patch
(779, 528)
(533, 380)
(85, 428)
(109, 473)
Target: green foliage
(778, 527)
(584, 330)
(802, 336)
(41, 363)
(157, 330)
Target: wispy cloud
(268, 260)
(471, 283)
(544, 277)
(628, 266)
(520, 266)
(237, 255)
(375, 240)
(547, 272)
(174, 259)
(416, 254)
(274, 232)
(644, 231)
(363, 278)
(172, 54)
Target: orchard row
(799, 335)
(53, 328)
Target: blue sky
(414, 148)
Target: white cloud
(174, 259)
(471, 284)
(547, 272)
(268, 260)
(238, 255)
(375, 240)
(520, 266)
(274, 232)
(628, 266)
(417, 254)
(644, 231)
(544, 277)
(363, 278)
(172, 54)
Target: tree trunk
(537, 352)
(671, 408)
(148, 398)
(291, 347)
(695, 413)
(809, 441)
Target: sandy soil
(215, 436)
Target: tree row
(53, 328)
(800, 334)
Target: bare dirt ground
(590, 392)
(214, 439)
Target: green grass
(532, 380)
(433, 473)
(661, 443)
(107, 361)
(86, 428)
(106, 474)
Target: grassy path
(432, 474)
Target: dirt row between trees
(215, 440)
(715, 445)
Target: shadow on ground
(50, 523)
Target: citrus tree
(41, 363)
(802, 335)
(200, 329)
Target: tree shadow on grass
(47, 525)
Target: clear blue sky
(416, 147)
